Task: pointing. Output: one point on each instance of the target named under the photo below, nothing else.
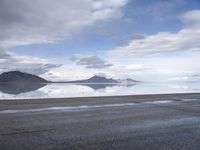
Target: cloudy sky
(148, 40)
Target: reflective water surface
(56, 90)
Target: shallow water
(56, 90)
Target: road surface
(145, 122)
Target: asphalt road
(148, 122)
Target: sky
(62, 40)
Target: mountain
(96, 79)
(20, 77)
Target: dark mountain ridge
(96, 79)
(17, 76)
(16, 82)
(21, 77)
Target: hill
(96, 79)
(17, 76)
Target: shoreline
(107, 96)
(135, 98)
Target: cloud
(10, 61)
(28, 22)
(187, 39)
(163, 67)
(90, 61)
(32, 22)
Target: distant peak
(96, 76)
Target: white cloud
(42, 21)
(157, 68)
(181, 59)
(187, 39)
(77, 72)
(38, 66)
(31, 22)
(90, 61)
(69, 72)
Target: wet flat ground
(145, 122)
